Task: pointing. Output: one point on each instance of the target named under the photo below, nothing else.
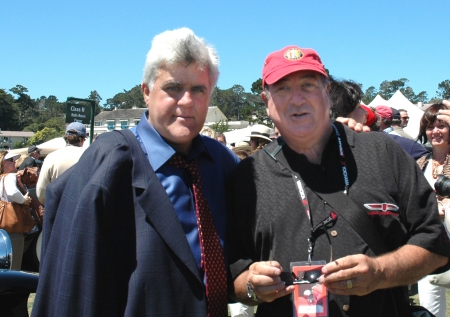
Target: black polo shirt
(263, 194)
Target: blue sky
(71, 47)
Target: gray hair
(180, 46)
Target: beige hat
(242, 146)
(260, 131)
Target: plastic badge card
(310, 297)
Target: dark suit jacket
(28, 162)
(112, 243)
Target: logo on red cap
(293, 54)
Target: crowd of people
(167, 219)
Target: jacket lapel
(155, 202)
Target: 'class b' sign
(78, 112)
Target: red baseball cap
(289, 60)
(384, 111)
(371, 117)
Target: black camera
(442, 186)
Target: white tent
(48, 147)
(399, 101)
(378, 101)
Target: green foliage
(34, 127)
(94, 95)
(18, 111)
(44, 135)
(57, 123)
(126, 100)
(24, 104)
(257, 87)
(369, 95)
(7, 112)
(221, 126)
(443, 91)
(388, 88)
(19, 144)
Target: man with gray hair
(137, 227)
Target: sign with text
(78, 112)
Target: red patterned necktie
(212, 260)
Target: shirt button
(345, 307)
(333, 233)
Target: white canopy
(399, 101)
(48, 147)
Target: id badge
(310, 298)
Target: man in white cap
(61, 160)
(355, 201)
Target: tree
(443, 91)
(126, 100)
(221, 126)
(19, 144)
(257, 87)
(44, 135)
(369, 95)
(52, 108)
(25, 105)
(94, 95)
(219, 100)
(421, 97)
(238, 100)
(388, 88)
(8, 114)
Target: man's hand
(361, 275)
(352, 275)
(27, 199)
(264, 278)
(352, 124)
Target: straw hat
(260, 131)
(242, 146)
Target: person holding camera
(437, 133)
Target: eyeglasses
(405, 118)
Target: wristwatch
(250, 292)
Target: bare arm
(404, 266)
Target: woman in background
(10, 192)
(437, 133)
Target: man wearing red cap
(311, 168)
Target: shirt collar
(160, 151)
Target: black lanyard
(333, 215)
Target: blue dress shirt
(215, 162)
